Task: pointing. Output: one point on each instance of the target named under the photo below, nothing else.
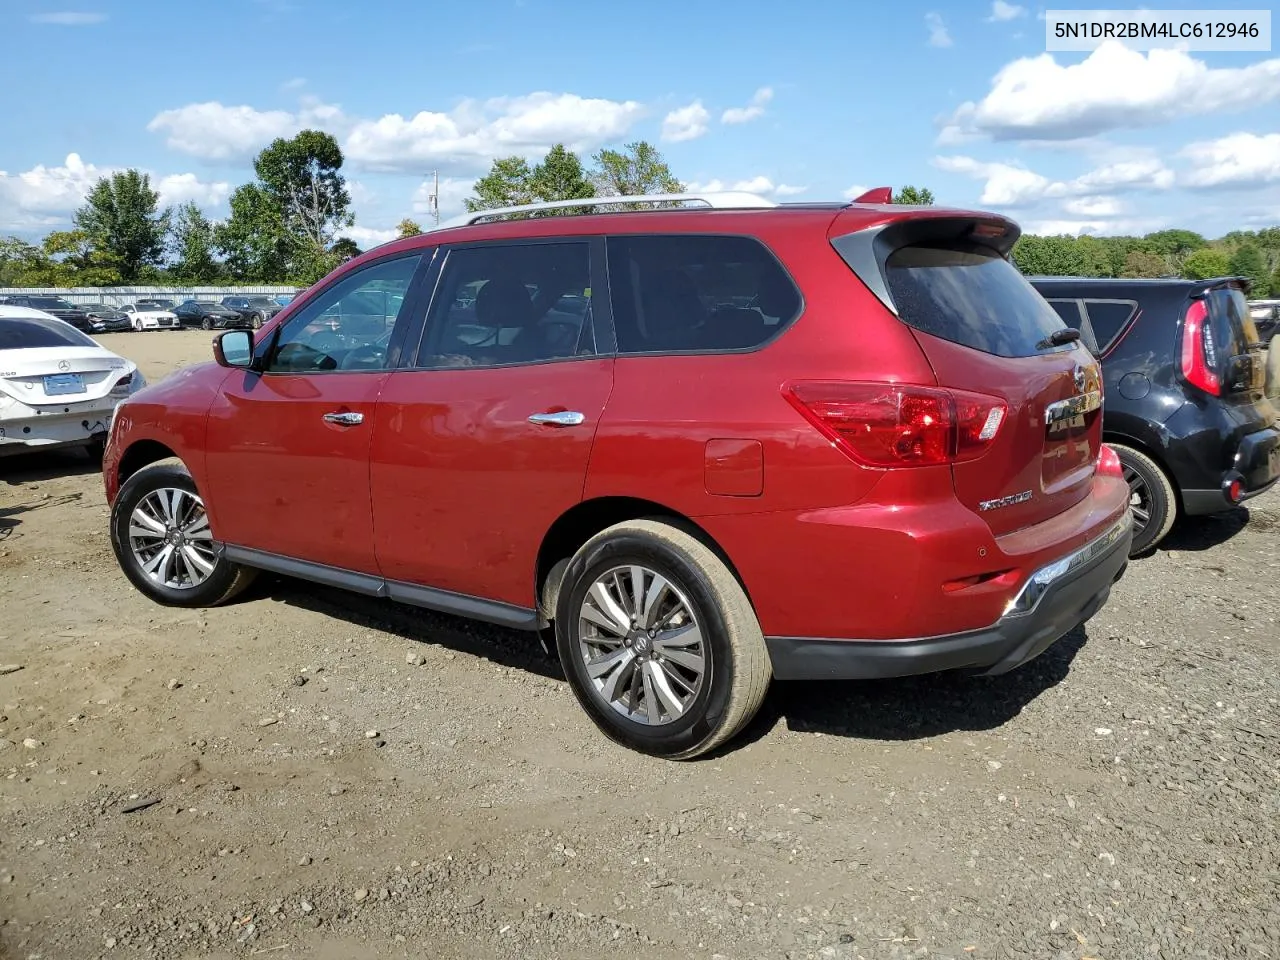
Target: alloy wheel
(1139, 500)
(642, 645)
(170, 538)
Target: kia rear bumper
(1055, 599)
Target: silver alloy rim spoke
(641, 645)
(170, 539)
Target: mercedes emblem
(64, 364)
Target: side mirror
(234, 348)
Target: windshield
(51, 303)
(971, 296)
(208, 305)
(263, 302)
(23, 333)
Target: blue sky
(802, 100)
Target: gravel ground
(308, 773)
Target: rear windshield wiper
(1059, 338)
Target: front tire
(1151, 496)
(257, 321)
(659, 642)
(161, 537)
(206, 323)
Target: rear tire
(691, 668)
(1152, 497)
(140, 524)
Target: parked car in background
(284, 299)
(1185, 376)
(146, 315)
(154, 304)
(257, 310)
(208, 315)
(801, 441)
(1266, 317)
(54, 306)
(106, 319)
(58, 387)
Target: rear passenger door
(483, 442)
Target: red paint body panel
(284, 480)
(464, 486)
(734, 468)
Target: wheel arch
(584, 520)
(142, 453)
(1127, 440)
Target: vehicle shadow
(19, 468)
(913, 708)
(510, 648)
(1205, 533)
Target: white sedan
(57, 386)
(145, 316)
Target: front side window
(348, 326)
(511, 303)
(687, 293)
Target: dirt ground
(316, 792)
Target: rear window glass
(971, 296)
(1108, 318)
(1232, 327)
(674, 294)
(22, 333)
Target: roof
(1133, 281)
(25, 313)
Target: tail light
(1109, 463)
(899, 425)
(123, 384)
(1199, 359)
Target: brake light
(899, 425)
(1199, 358)
(122, 385)
(1109, 463)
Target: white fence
(118, 296)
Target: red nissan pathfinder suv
(709, 446)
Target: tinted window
(19, 333)
(1232, 327)
(50, 303)
(511, 304)
(347, 326)
(1069, 311)
(1108, 318)
(971, 296)
(697, 293)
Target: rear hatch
(985, 330)
(60, 375)
(1220, 350)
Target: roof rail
(729, 200)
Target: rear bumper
(1057, 598)
(1256, 465)
(17, 436)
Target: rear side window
(21, 333)
(1108, 318)
(971, 296)
(683, 293)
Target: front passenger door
(288, 448)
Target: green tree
(505, 185)
(1095, 256)
(1247, 261)
(17, 259)
(1058, 256)
(253, 240)
(121, 217)
(1205, 263)
(1141, 264)
(303, 179)
(193, 242)
(344, 248)
(408, 228)
(921, 196)
(638, 168)
(73, 261)
(560, 177)
(1275, 282)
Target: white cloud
(938, 35)
(475, 132)
(68, 18)
(854, 192)
(1000, 10)
(366, 237)
(1035, 98)
(48, 196)
(1238, 160)
(1094, 207)
(761, 185)
(216, 132)
(296, 83)
(1011, 185)
(752, 111)
(685, 123)
(1094, 227)
(178, 188)
(453, 191)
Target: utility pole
(433, 199)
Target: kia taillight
(899, 425)
(1199, 358)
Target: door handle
(344, 419)
(561, 418)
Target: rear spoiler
(1205, 286)
(866, 250)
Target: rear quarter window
(688, 293)
(971, 296)
(1108, 318)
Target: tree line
(284, 225)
